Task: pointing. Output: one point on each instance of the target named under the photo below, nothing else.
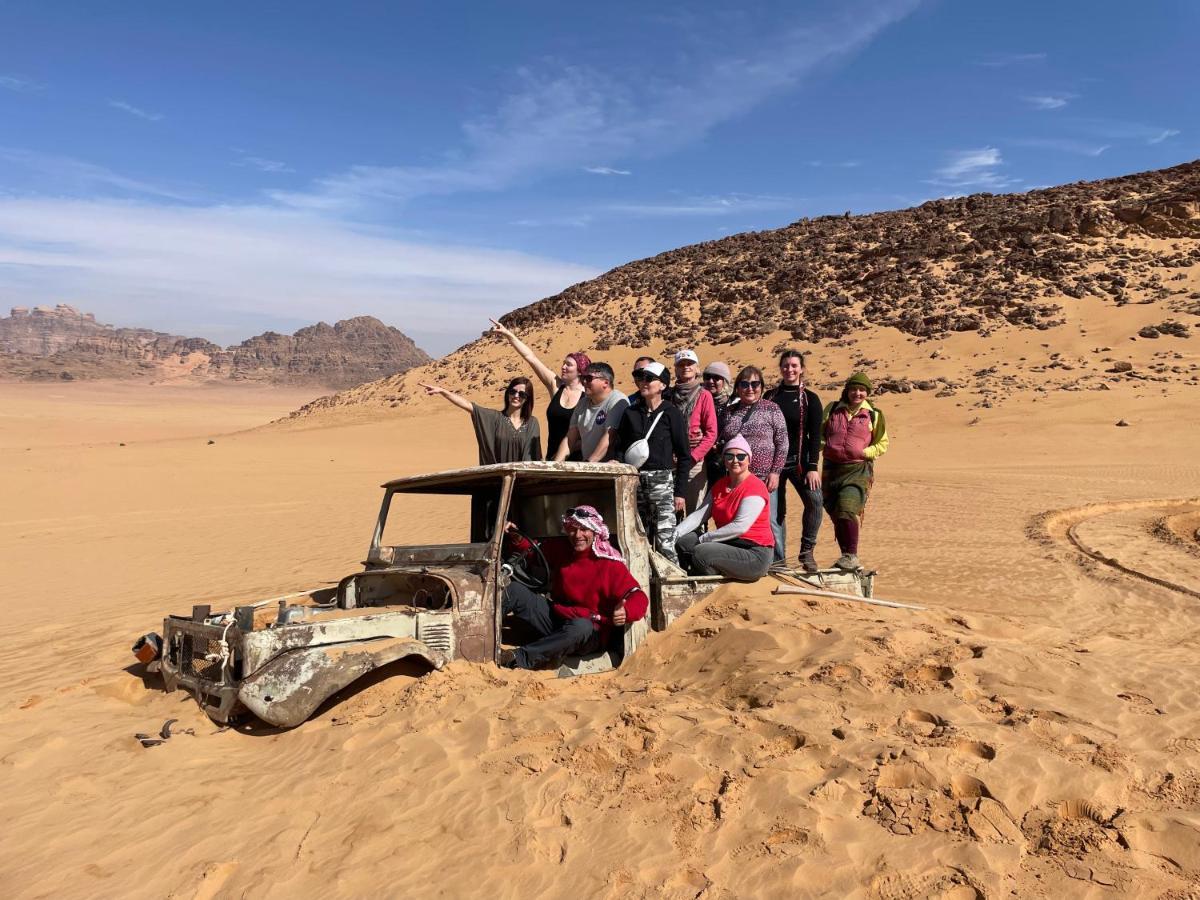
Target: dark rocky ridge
(62, 343)
(966, 264)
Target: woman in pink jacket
(698, 408)
(853, 436)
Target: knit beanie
(860, 379)
(738, 442)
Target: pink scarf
(589, 517)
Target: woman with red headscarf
(591, 591)
(565, 387)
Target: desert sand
(1033, 732)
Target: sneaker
(508, 659)
(808, 562)
(848, 562)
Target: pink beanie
(738, 443)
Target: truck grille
(435, 635)
(194, 650)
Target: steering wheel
(528, 566)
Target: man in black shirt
(653, 437)
(802, 411)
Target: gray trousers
(813, 512)
(716, 558)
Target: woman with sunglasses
(565, 388)
(763, 426)
(741, 546)
(653, 437)
(508, 435)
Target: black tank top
(558, 422)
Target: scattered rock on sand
(1121, 423)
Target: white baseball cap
(686, 356)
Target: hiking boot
(508, 659)
(808, 562)
(848, 562)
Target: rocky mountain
(62, 343)
(1120, 257)
(966, 264)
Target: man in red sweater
(591, 590)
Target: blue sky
(222, 168)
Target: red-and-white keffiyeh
(589, 517)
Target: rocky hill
(868, 291)
(62, 343)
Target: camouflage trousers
(656, 507)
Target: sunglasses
(576, 512)
(713, 378)
(514, 392)
(644, 375)
(749, 385)
(739, 457)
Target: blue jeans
(813, 512)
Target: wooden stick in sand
(813, 592)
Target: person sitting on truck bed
(742, 544)
(591, 591)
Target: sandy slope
(1033, 733)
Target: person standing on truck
(592, 591)
(697, 406)
(740, 546)
(854, 435)
(566, 388)
(653, 438)
(508, 435)
(799, 406)
(594, 419)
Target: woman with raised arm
(565, 387)
(508, 435)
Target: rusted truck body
(428, 603)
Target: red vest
(847, 438)
(725, 503)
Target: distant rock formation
(63, 343)
(350, 352)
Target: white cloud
(726, 205)
(1001, 60)
(605, 170)
(68, 175)
(843, 164)
(564, 118)
(1049, 101)
(270, 166)
(978, 169)
(1064, 145)
(157, 265)
(19, 84)
(135, 111)
(580, 221)
(1129, 131)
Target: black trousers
(559, 637)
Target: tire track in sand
(1136, 524)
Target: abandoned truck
(431, 603)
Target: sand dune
(1034, 732)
